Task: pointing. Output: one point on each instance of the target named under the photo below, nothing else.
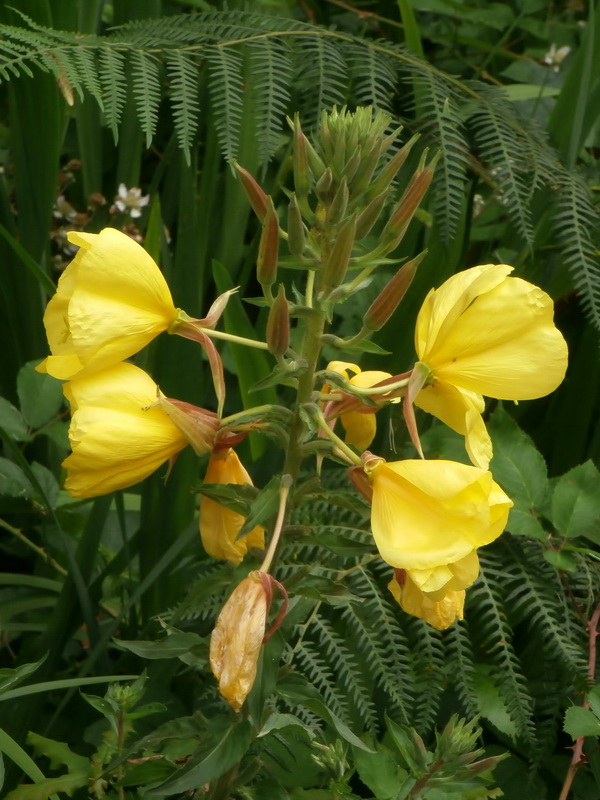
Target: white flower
(131, 200)
(554, 57)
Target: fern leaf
(374, 79)
(272, 76)
(226, 91)
(320, 71)
(183, 75)
(114, 86)
(87, 68)
(146, 91)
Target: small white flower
(131, 200)
(554, 57)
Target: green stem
(284, 491)
(352, 457)
(231, 337)
(39, 550)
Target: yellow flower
(360, 426)
(429, 518)
(111, 301)
(440, 614)
(483, 333)
(237, 638)
(219, 525)
(117, 439)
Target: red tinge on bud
(198, 425)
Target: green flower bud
(258, 199)
(278, 324)
(268, 249)
(295, 231)
(388, 300)
(336, 266)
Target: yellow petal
(117, 440)
(460, 410)
(237, 638)
(360, 428)
(219, 525)
(428, 514)
(443, 306)
(450, 577)
(111, 301)
(440, 614)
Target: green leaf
(213, 759)
(561, 560)
(12, 421)
(380, 771)
(277, 721)
(40, 395)
(524, 523)
(581, 722)
(593, 697)
(410, 745)
(146, 710)
(48, 484)
(66, 784)
(236, 496)
(9, 678)
(156, 769)
(13, 481)
(576, 500)
(265, 505)
(105, 705)
(59, 753)
(173, 646)
(517, 465)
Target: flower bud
(278, 324)
(334, 270)
(370, 215)
(391, 169)
(324, 185)
(300, 160)
(268, 249)
(237, 638)
(296, 237)
(337, 209)
(388, 300)
(409, 202)
(257, 197)
(198, 425)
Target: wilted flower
(429, 518)
(440, 613)
(111, 301)
(237, 638)
(483, 333)
(219, 525)
(119, 432)
(131, 200)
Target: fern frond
(226, 85)
(486, 607)
(374, 80)
(87, 68)
(183, 72)
(320, 77)
(114, 86)
(320, 674)
(440, 122)
(272, 76)
(146, 91)
(460, 668)
(428, 662)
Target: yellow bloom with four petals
(119, 434)
(484, 333)
(429, 518)
(219, 525)
(110, 302)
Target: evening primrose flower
(120, 433)
(360, 426)
(219, 525)
(440, 614)
(110, 302)
(429, 518)
(483, 333)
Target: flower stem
(352, 457)
(284, 490)
(231, 337)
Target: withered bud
(278, 324)
(388, 300)
(410, 200)
(336, 266)
(237, 638)
(268, 248)
(339, 204)
(295, 231)
(391, 169)
(259, 200)
(369, 216)
(198, 425)
(361, 482)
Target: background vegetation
(159, 95)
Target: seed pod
(268, 249)
(278, 324)
(295, 231)
(388, 300)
